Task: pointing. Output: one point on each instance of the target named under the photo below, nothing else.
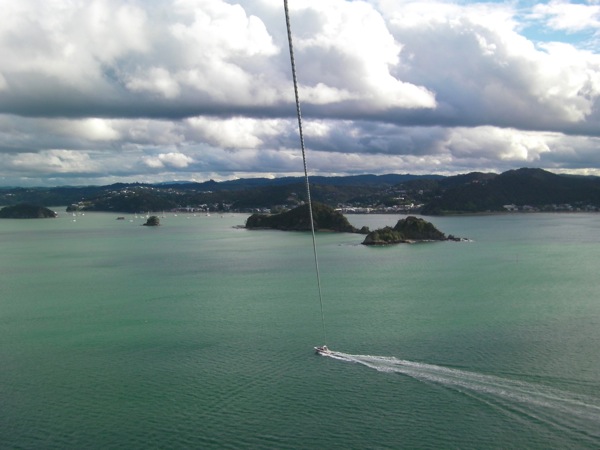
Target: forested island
(298, 219)
(24, 211)
(408, 230)
(153, 221)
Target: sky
(94, 92)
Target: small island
(153, 221)
(325, 218)
(410, 229)
(24, 211)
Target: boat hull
(322, 350)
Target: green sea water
(197, 334)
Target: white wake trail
(560, 409)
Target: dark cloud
(109, 90)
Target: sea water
(198, 334)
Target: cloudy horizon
(104, 91)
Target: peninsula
(24, 211)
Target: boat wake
(566, 411)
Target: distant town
(521, 190)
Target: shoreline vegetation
(522, 190)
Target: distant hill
(473, 192)
(351, 180)
(242, 194)
(522, 187)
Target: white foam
(567, 411)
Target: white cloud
(181, 88)
(346, 47)
(146, 132)
(156, 80)
(69, 42)
(220, 29)
(93, 129)
(172, 160)
(234, 133)
(219, 48)
(498, 144)
(52, 162)
(175, 159)
(321, 94)
(484, 71)
(568, 81)
(571, 17)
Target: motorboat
(322, 350)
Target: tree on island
(153, 221)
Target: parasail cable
(299, 115)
